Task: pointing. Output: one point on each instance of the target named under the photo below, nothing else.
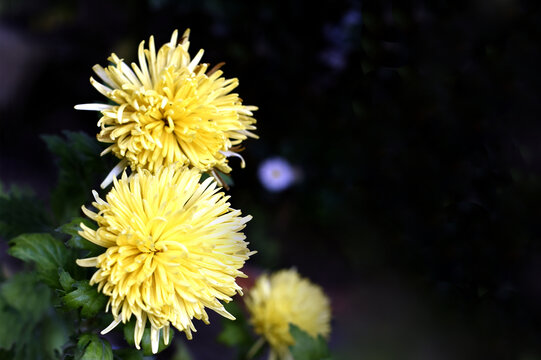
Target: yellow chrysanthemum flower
(169, 109)
(174, 247)
(285, 298)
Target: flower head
(173, 248)
(282, 298)
(276, 174)
(170, 109)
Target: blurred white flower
(276, 174)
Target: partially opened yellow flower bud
(285, 298)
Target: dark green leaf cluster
(49, 310)
(30, 300)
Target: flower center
(168, 123)
(275, 173)
(148, 245)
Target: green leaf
(146, 346)
(45, 251)
(65, 279)
(85, 297)
(76, 241)
(92, 347)
(80, 170)
(307, 347)
(20, 212)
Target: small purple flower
(276, 174)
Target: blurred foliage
(236, 334)
(80, 171)
(21, 211)
(51, 299)
(27, 329)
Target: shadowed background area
(412, 130)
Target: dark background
(415, 128)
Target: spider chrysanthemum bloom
(173, 248)
(170, 109)
(285, 298)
